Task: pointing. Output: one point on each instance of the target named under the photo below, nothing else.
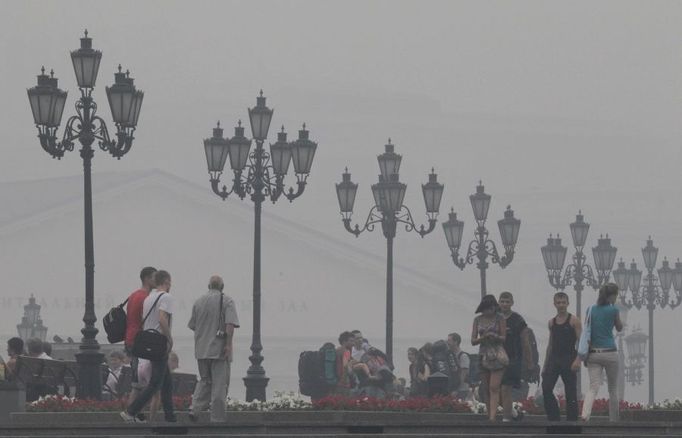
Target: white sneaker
(127, 417)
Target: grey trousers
(212, 388)
(596, 364)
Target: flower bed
(417, 404)
(599, 407)
(668, 405)
(294, 402)
(60, 403)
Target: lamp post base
(255, 386)
(89, 374)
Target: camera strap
(221, 318)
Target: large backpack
(439, 360)
(534, 375)
(310, 380)
(328, 352)
(114, 323)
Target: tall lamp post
(389, 211)
(482, 247)
(47, 104)
(259, 174)
(655, 292)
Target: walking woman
(488, 333)
(603, 355)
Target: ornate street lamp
(389, 211)
(482, 247)
(47, 104)
(578, 272)
(260, 174)
(655, 292)
(31, 325)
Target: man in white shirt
(157, 310)
(360, 346)
(115, 365)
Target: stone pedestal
(12, 399)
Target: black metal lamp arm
(555, 279)
(405, 217)
(117, 148)
(48, 138)
(372, 218)
(503, 261)
(300, 183)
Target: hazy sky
(565, 99)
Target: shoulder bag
(585, 336)
(150, 344)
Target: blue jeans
(160, 380)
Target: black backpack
(310, 378)
(115, 323)
(440, 362)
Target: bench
(47, 376)
(44, 376)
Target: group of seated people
(440, 367)
(361, 369)
(446, 358)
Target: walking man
(561, 360)
(158, 310)
(517, 346)
(134, 324)
(213, 320)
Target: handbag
(150, 344)
(494, 357)
(585, 336)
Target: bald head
(216, 282)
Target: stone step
(218, 433)
(308, 429)
(324, 424)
